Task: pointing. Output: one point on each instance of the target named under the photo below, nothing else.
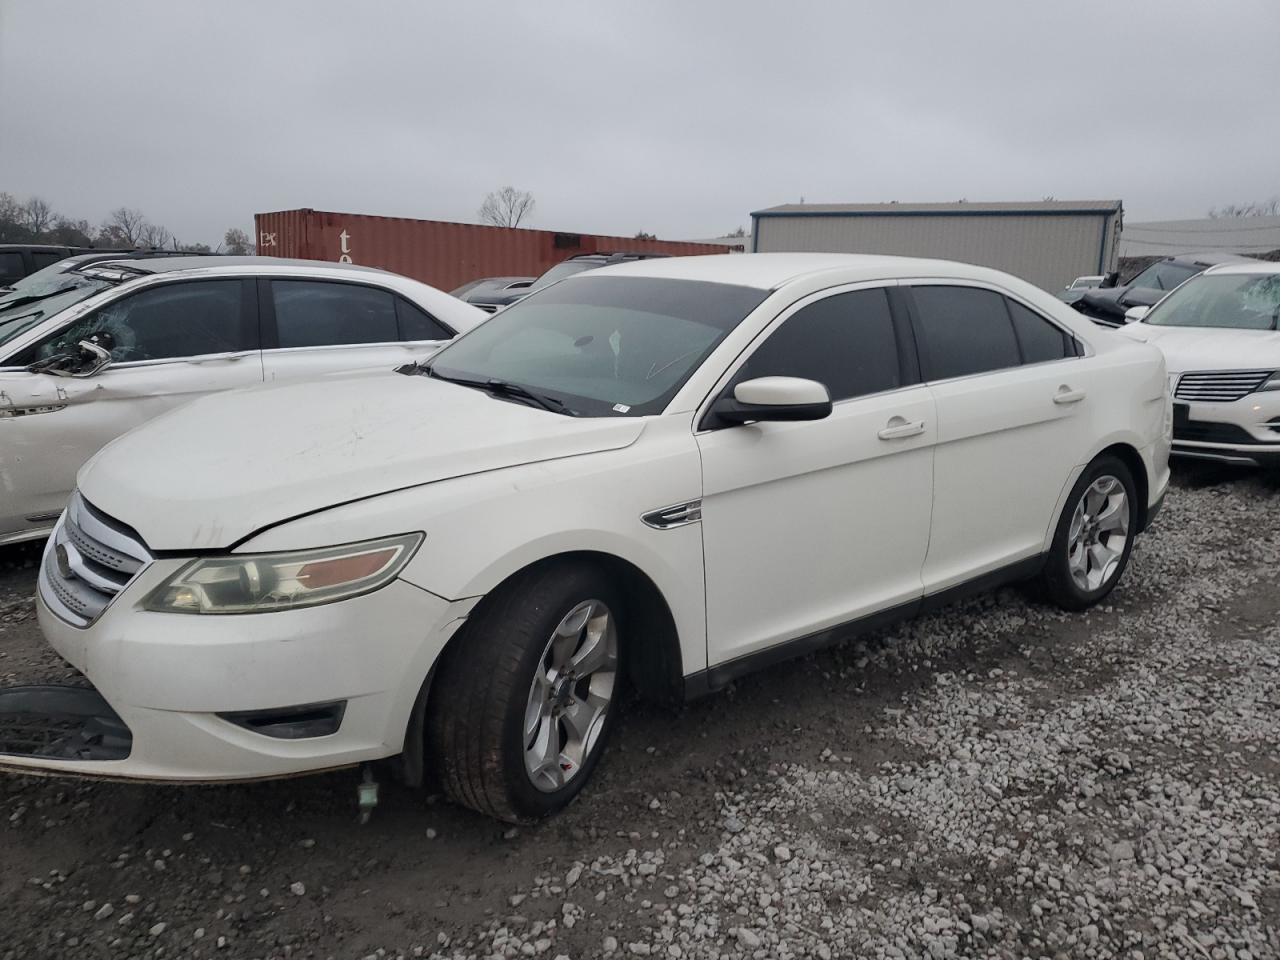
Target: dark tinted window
(11, 267)
(963, 330)
(1164, 275)
(312, 313)
(416, 324)
(846, 342)
(1040, 339)
(164, 322)
(44, 259)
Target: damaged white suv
(665, 474)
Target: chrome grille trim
(88, 561)
(1220, 386)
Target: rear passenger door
(1012, 396)
(311, 327)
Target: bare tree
(38, 216)
(13, 225)
(155, 237)
(1254, 208)
(237, 242)
(125, 226)
(74, 233)
(641, 235)
(506, 207)
(740, 232)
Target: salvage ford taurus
(665, 473)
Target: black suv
(19, 259)
(1107, 304)
(493, 301)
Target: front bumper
(1245, 431)
(170, 679)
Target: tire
(505, 675)
(1076, 577)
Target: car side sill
(722, 674)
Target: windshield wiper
(504, 388)
(30, 298)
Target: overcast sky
(678, 118)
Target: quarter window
(1040, 340)
(312, 313)
(846, 342)
(417, 324)
(169, 321)
(962, 331)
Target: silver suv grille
(1221, 386)
(89, 559)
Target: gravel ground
(998, 780)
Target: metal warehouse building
(1049, 243)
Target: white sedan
(100, 348)
(666, 473)
(1219, 337)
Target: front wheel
(525, 698)
(1094, 537)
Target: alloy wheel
(569, 698)
(1099, 533)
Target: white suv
(666, 473)
(103, 347)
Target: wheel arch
(1128, 454)
(655, 667)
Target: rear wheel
(1094, 537)
(525, 699)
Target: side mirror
(1111, 279)
(92, 355)
(1135, 314)
(774, 398)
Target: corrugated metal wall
(445, 255)
(1048, 250)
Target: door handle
(1066, 395)
(900, 427)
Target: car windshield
(1239, 301)
(20, 310)
(562, 270)
(602, 346)
(1164, 275)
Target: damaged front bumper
(62, 723)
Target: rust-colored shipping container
(445, 255)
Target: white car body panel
(805, 526)
(50, 426)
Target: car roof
(1261, 267)
(172, 264)
(1207, 259)
(769, 271)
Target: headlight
(258, 583)
(1272, 384)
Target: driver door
(811, 525)
(170, 343)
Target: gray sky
(677, 118)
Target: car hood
(1116, 300)
(1210, 348)
(211, 473)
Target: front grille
(1222, 386)
(89, 559)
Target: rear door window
(46, 258)
(962, 331)
(315, 313)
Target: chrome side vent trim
(679, 515)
